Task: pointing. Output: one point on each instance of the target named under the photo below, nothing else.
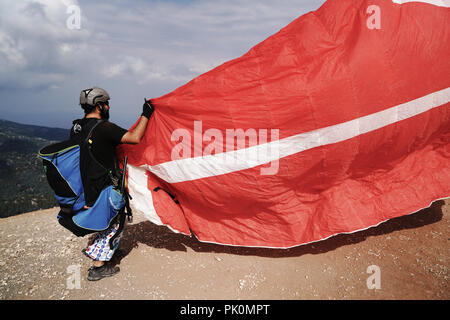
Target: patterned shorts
(99, 248)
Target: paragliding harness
(78, 179)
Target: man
(104, 138)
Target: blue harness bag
(61, 162)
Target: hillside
(24, 185)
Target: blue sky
(133, 49)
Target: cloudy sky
(133, 49)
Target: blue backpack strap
(99, 121)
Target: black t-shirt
(105, 138)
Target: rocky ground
(41, 260)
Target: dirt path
(40, 260)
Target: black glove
(147, 109)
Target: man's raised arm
(134, 136)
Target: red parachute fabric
(356, 95)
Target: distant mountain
(33, 131)
(23, 185)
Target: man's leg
(101, 252)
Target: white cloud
(10, 52)
(128, 65)
(134, 48)
(163, 36)
(35, 43)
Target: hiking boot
(97, 273)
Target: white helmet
(90, 97)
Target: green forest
(24, 186)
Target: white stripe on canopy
(213, 165)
